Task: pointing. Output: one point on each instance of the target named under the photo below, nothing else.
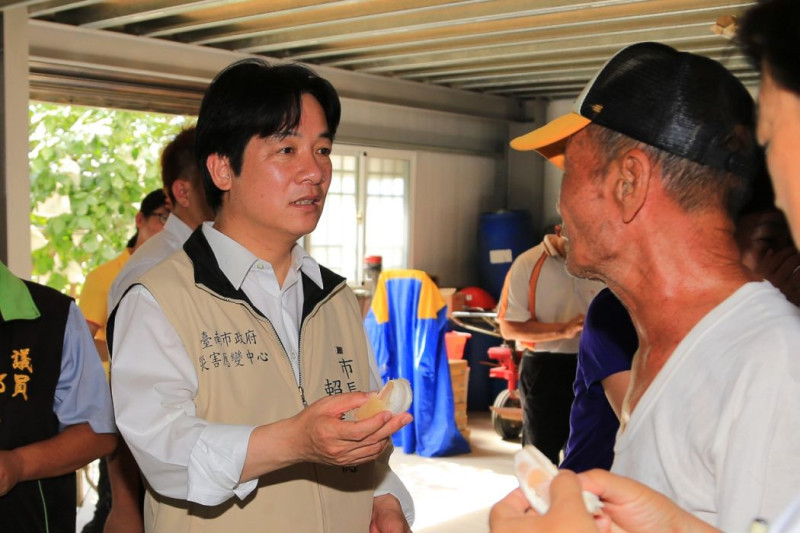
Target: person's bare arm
(534, 331)
(71, 449)
(123, 476)
(102, 348)
(93, 328)
(616, 387)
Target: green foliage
(90, 168)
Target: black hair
(253, 98)
(178, 161)
(150, 203)
(762, 197)
(768, 34)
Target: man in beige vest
(236, 358)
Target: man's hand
(573, 327)
(10, 470)
(636, 508)
(387, 516)
(329, 439)
(317, 434)
(567, 514)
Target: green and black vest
(30, 366)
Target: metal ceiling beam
(118, 55)
(116, 13)
(587, 41)
(253, 38)
(563, 76)
(544, 66)
(683, 38)
(456, 33)
(260, 17)
(429, 43)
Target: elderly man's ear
(630, 188)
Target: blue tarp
(406, 325)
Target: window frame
(363, 154)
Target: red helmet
(477, 297)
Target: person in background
(55, 405)
(707, 419)
(765, 241)
(150, 220)
(542, 307)
(232, 359)
(607, 346)
(183, 183)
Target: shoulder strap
(537, 269)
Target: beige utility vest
(245, 378)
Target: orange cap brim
(550, 139)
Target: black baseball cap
(685, 104)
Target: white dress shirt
(182, 455)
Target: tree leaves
(90, 168)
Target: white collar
(235, 261)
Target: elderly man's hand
(387, 516)
(573, 327)
(567, 513)
(638, 509)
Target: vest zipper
(300, 346)
(299, 366)
(278, 337)
(300, 388)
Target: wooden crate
(459, 378)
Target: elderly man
(658, 156)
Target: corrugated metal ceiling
(517, 48)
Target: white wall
(526, 169)
(552, 174)
(448, 195)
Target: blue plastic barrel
(502, 236)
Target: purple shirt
(608, 342)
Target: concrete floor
(454, 494)
(451, 494)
